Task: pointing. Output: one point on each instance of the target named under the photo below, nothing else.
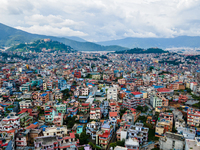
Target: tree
(84, 138)
(113, 145)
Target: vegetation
(142, 109)
(69, 121)
(66, 94)
(141, 51)
(151, 135)
(142, 119)
(118, 143)
(40, 45)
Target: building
(49, 114)
(162, 126)
(10, 122)
(112, 93)
(193, 117)
(132, 144)
(178, 119)
(26, 117)
(92, 128)
(139, 132)
(192, 144)
(129, 101)
(187, 132)
(25, 104)
(60, 108)
(171, 141)
(95, 113)
(155, 101)
(182, 99)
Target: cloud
(102, 20)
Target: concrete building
(139, 132)
(187, 132)
(193, 117)
(172, 141)
(132, 144)
(155, 101)
(92, 128)
(112, 93)
(192, 144)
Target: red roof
(112, 104)
(26, 110)
(105, 134)
(136, 93)
(85, 104)
(32, 126)
(163, 90)
(112, 114)
(72, 135)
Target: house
(129, 101)
(60, 108)
(187, 132)
(49, 114)
(151, 119)
(132, 144)
(26, 117)
(22, 138)
(25, 104)
(162, 126)
(95, 113)
(92, 128)
(178, 119)
(182, 99)
(139, 132)
(10, 122)
(171, 141)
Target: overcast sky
(101, 20)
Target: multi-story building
(25, 104)
(95, 113)
(26, 117)
(56, 142)
(61, 108)
(193, 117)
(155, 101)
(162, 126)
(191, 144)
(44, 97)
(84, 91)
(49, 114)
(114, 107)
(58, 131)
(84, 107)
(139, 132)
(132, 144)
(22, 138)
(178, 119)
(182, 99)
(104, 135)
(171, 141)
(58, 119)
(112, 93)
(92, 128)
(10, 122)
(187, 132)
(131, 102)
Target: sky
(102, 20)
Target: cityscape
(99, 75)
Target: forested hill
(141, 51)
(46, 45)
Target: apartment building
(182, 99)
(162, 126)
(155, 101)
(49, 114)
(171, 141)
(132, 102)
(139, 132)
(84, 91)
(132, 144)
(26, 117)
(10, 122)
(60, 108)
(44, 97)
(112, 93)
(25, 104)
(193, 117)
(92, 128)
(84, 107)
(95, 113)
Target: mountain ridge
(10, 36)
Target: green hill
(141, 51)
(41, 45)
(10, 36)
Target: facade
(132, 102)
(92, 128)
(10, 122)
(132, 144)
(25, 104)
(193, 117)
(172, 141)
(112, 93)
(155, 101)
(139, 132)
(162, 127)
(61, 108)
(95, 113)
(49, 114)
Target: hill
(181, 41)
(10, 36)
(42, 45)
(141, 51)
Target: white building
(10, 122)
(192, 144)
(112, 93)
(155, 101)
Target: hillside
(141, 51)
(181, 41)
(41, 45)
(10, 36)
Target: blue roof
(128, 91)
(35, 123)
(44, 94)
